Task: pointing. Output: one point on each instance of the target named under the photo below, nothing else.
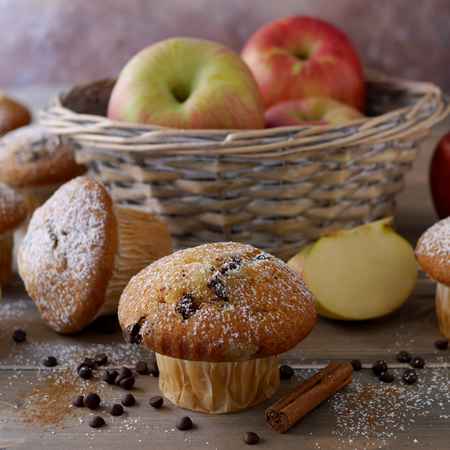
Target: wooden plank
(366, 415)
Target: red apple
(440, 177)
(310, 111)
(300, 57)
(187, 83)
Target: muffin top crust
(13, 209)
(433, 251)
(217, 302)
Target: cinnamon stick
(287, 411)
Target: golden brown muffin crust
(217, 302)
(31, 156)
(13, 209)
(433, 251)
(67, 256)
(12, 114)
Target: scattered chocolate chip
(233, 264)
(156, 401)
(50, 361)
(379, 367)
(142, 368)
(409, 376)
(217, 284)
(88, 362)
(124, 372)
(126, 383)
(128, 400)
(78, 401)
(186, 306)
(184, 423)
(386, 377)
(418, 362)
(110, 376)
(101, 359)
(85, 372)
(251, 438)
(441, 344)
(19, 336)
(286, 372)
(116, 409)
(92, 400)
(404, 357)
(356, 364)
(97, 422)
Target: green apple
(363, 273)
(187, 83)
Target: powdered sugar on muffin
(12, 208)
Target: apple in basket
(300, 57)
(187, 83)
(440, 177)
(310, 111)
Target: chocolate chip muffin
(217, 316)
(80, 251)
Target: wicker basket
(277, 188)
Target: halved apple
(359, 274)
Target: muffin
(12, 213)
(217, 316)
(36, 163)
(12, 114)
(433, 255)
(80, 251)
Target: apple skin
(299, 57)
(440, 177)
(310, 111)
(187, 83)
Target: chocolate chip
(156, 401)
(133, 334)
(409, 376)
(251, 438)
(286, 372)
(97, 422)
(262, 257)
(441, 344)
(116, 409)
(110, 376)
(126, 383)
(186, 306)
(89, 362)
(217, 284)
(101, 359)
(85, 372)
(404, 357)
(50, 361)
(128, 400)
(379, 367)
(142, 368)
(386, 377)
(19, 336)
(124, 372)
(154, 371)
(184, 423)
(78, 401)
(92, 400)
(233, 264)
(418, 362)
(356, 364)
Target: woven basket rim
(103, 134)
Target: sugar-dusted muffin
(433, 255)
(36, 163)
(12, 213)
(217, 316)
(80, 251)
(12, 114)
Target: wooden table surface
(34, 411)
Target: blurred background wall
(64, 41)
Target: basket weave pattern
(277, 188)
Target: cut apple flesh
(360, 274)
